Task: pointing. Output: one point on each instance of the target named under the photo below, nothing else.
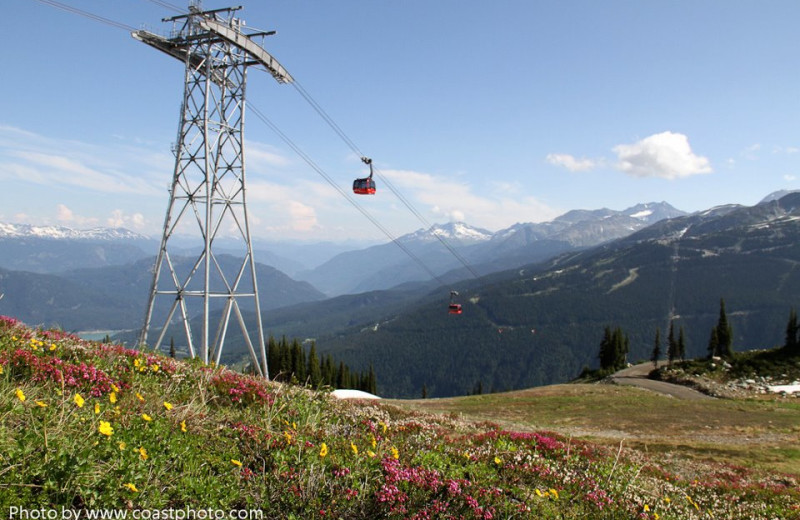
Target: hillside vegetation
(88, 425)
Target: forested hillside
(543, 323)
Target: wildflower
(323, 451)
(41, 404)
(354, 448)
(236, 463)
(137, 362)
(154, 368)
(646, 508)
(1, 369)
(538, 493)
(20, 395)
(114, 387)
(374, 441)
(142, 453)
(554, 493)
(139, 397)
(132, 487)
(371, 454)
(383, 425)
(288, 437)
(498, 461)
(52, 346)
(97, 408)
(79, 400)
(105, 428)
(122, 446)
(146, 417)
(183, 426)
(395, 453)
(168, 406)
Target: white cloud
(666, 155)
(570, 163)
(751, 152)
(67, 217)
(118, 218)
(789, 177)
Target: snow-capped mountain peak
(458, 231)
(65, 233)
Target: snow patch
(353, 394)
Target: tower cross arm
(252, 48)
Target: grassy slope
(757, 433)
(179, 435)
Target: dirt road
(637, 376)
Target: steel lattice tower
(207, 197)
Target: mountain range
(536, 296)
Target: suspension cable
(87, 14)
(352, 145)
(342, 192)
(331, 122)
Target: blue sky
(488, 112)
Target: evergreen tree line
(615, 344)
(288, 362)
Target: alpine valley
(536, 297)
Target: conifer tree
(724, 333)
(314, 371)
(672, 344)
(656, 353)
(172, 347)
(681, 344)
(792, 343)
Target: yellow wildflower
(142, 453)
(554, 493)
(1, 369)
(167, 405)
(52, 346)
(498, 461)
(236, 463)
(139, 397)
(105, 428)
(646, 508)
(122, 446)
(288, 437)
(371, 454)
(114, 387)
(395, 453)
(112, 397)
(41, 404)
(20, 395)
(97, 408)
(374, 441)
(78, 400)
(538, 493)
(383, 425)
(146, 417)
(154, 368)
(323, 451)
(354, 448)
(132, 487)
(137, 363)
(183, 426)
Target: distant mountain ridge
(67, 233)
(386, 265)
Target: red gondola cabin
(455, 308)
(365, 186)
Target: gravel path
(637, 376)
